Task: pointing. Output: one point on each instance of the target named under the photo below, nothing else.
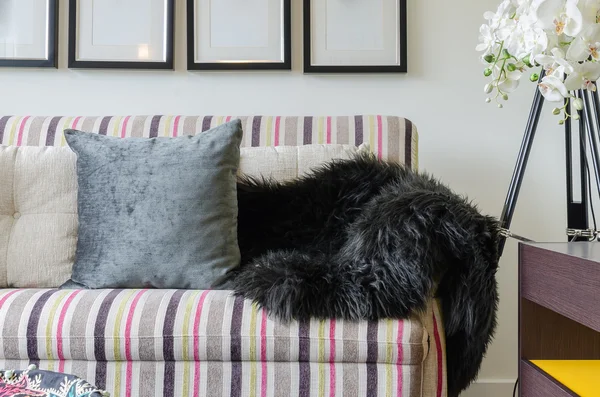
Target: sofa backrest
(390, 137)
(38, 184)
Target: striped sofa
(198, 343)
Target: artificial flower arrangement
(560, 36)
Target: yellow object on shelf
(580, 376)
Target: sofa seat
(109, 336)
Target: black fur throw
(364, 239)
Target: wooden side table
(559, 319)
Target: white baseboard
(490, 388)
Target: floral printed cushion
(36, 383)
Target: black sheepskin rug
(364, 239)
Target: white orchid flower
(561, 35)
(507, 82)
(503, 12)
(527, 39)
(510, 83)
(536, 42)
(556, 64)
(487, 39)
(583, 76)
(553, 88)
(586, 44)
(590, 10)
(560, 16)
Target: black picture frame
(310, 68)
(52, 61)
(287, 43)
(77, 64)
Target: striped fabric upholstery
(122, 339)
(209, 343)
(266, 379)
(390, 137)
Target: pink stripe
(379, 137)
(263, 353)
(124, 128)
(21, 129)
(400, 359)
(227, 119)
(331, 354)
(328, 129)
(8, 295)
(438, 347)
(61, 321)
(74, 124)
(176, 125)
(129, 370)
(197, 343)
(129, 322)
(277, 125)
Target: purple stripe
(168, 344)
(372, 359)
(304, 358)
(154, 126)
(358, 130)
(32, 326)
(308, 125)
(169, 326)
(51, 132)
(408, 143)
(256, 131)
(104, 125)
(99, 344)
(236, 347)
(206, 123)
(3, 121)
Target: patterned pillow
(33, 382)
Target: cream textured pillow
(38, 216)
(38, 204)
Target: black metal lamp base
(577, 211)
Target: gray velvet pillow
(158, 212)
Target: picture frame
(111, 34)
(364, 36)
(233, 35)
(29, 33)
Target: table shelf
(579, 376)
(559, 319)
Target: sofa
(150, 342)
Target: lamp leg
(519, 171)
(593, 130)
(577, 211)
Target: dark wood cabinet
(559, 319)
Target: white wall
(468, 144)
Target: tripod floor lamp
(578, 228)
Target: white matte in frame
(355, 33)
(239, 31)
(24, 29)
(122, 31)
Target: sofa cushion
(159, 212)
(38, 215)
(184, 325)
(38, 204)
(245, 379)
